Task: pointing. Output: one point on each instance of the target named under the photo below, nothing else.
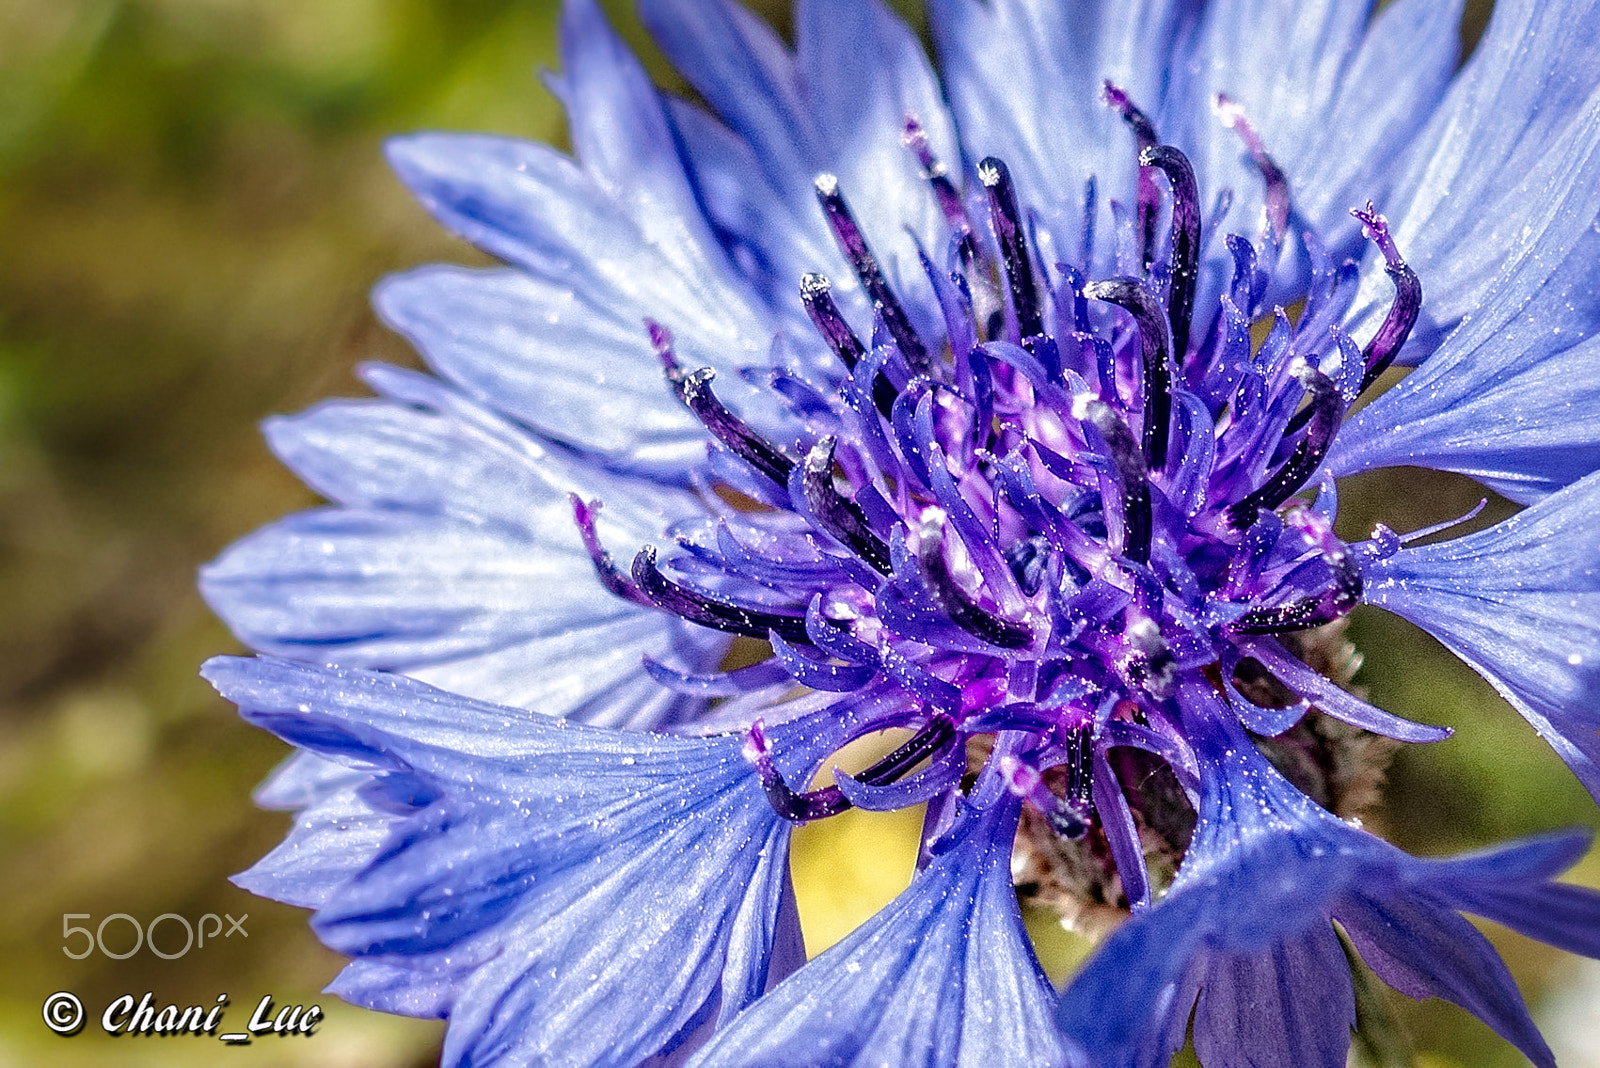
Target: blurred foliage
(193, 203)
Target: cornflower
(973, 405)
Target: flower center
(1030, 533)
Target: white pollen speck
(1574, 659)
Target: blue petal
(1302, 985)
(1335, 100)
(1476, 188)
(743, 70)
(621, 135)
(530, 205)
(1424, 950)
(433, 599)
(616, 888)
(329, 843)
(1272, 974)
(1513, 886)
(1509, 397)
(772, 229)
(456, 559)
(943, 976)
(340, 826)
(303, 780)
(508, 338)
(402, 990)
(431, 451)
(838, 104)
(1024, 78)
(1520, 602)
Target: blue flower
(948, 394)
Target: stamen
(1396, 327)
(1080, 766)
(1277, 198)
(1143, 129)
(816, 292)
(1326, 406)
(796, 808)
(937, 733)
(1185, 239)
(698, 608)
(854, 245)
(1308, 612)
(1029, 559)
(1068, 817)
(837, 514)
(1007, 220)
(1144, 134)
(962, 610)
(1155, 344)
(694, 390)
(1136, 514)
(611, 576)
(915, 138)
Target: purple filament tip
(1396, 326)
(1007, 219)
(1277, 198)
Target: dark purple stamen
(1124, 452)
(1155, 344)
(1396, 327)
(1185, 239)
(854, 246)
(1326, 407)
(1029, 560)
(1307, 612)
(694, 390)
(835, 513)
(1277, 198)
(944, 191)
(794, 807)
(816, 293)
(1070, 817)
(962, 610)
(1144, 134)
(698, 608)
(1007, 218)
(1143, 129)
(611, 576)
(937, 733)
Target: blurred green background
(193, 205)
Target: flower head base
(989, 421)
